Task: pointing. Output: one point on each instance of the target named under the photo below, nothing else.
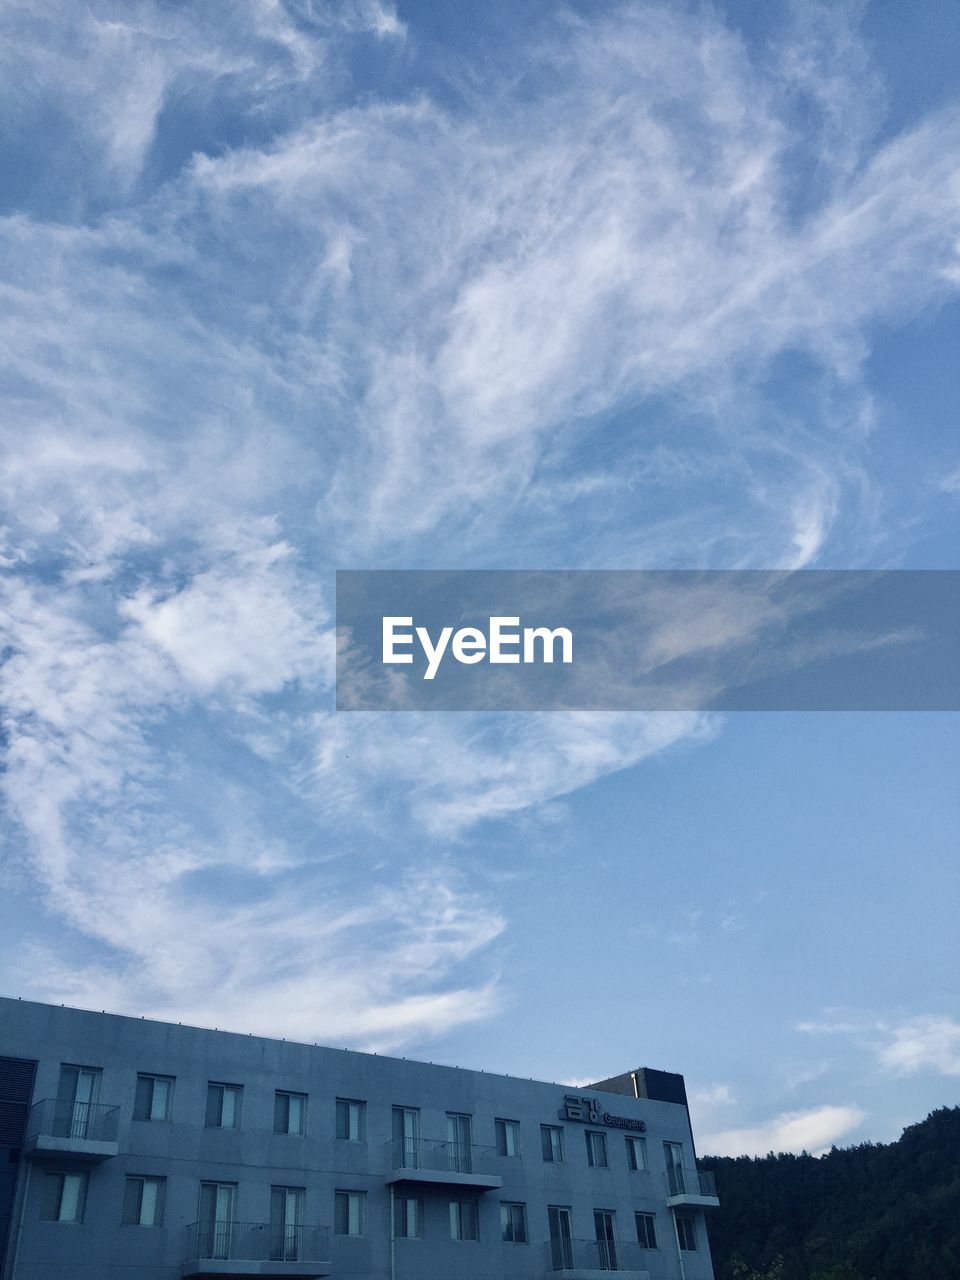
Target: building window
(513, 1222)
(154, 1096)
(673, 1154)
(637, 1154)
(463, 1220)
(290, 1113)
(223, 1106)
(604, 1225)
(215, 1217)
(286, 1223)
(508, 1137)
(349, 1213)
(408, 1218)
(551, 1139)
(561, 1237)
(351, 1120)
(646, 1230)
(687, 1233)
(77, 1095)
(143, 1202)
(406, 1138)
(62, 1197)
(459, 1142)
(596, 1149)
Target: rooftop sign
(589, 1111)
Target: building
(144, 1150)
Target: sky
(290, 286)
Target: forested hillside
(873, 1212)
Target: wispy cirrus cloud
(147, 849)
(258, 324)
(479, 769)
(114, 72)
(922, 1043)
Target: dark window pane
(50, 1196)
(214, 1105)
(281, 1113)
(141, 1106)
(131, 1200)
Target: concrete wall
(185, 1152)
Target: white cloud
(247, 625)
(309, 330)
(814, 1130)
(712, 1095)
(802, 1075)
(96, 785)
(114, 65)
(375, 973)
(837, 1026)
(926, 1043)
(578, 252)
(457, 773)
(706, 1101)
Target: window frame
(516, 1210)
(634, 1145)
(650, 1221)
(458, 1218)
(406, 1147)
(151, 1078)
(73, 1113)
(223, 1086)
(345, 1106)
(348, 1196)
(689, 1227)
(406, 1201)
(286, 1239)
(597, 1147)
(504, 1127)
(552, 1134)
(57, 1199)
(460, 1141)
(281, 1107)
(143, 1178)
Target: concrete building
(143, 1150)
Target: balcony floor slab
(693, 1201)
(201, 1268)
(44, 1146)
(443, 1178)
(592, 1273)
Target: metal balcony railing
(690, 1182)
(257, 1242)
(440, 1155)
(595, 1255)
(73, 1121)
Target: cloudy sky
(297, 285)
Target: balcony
(691, 1188)
(256, 1249)
(74, 1130)
(442, 1163)
(585, 1259)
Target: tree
(872, 1212)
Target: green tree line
(878, 1211)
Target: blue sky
(292, 286)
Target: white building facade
(142, 1150)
